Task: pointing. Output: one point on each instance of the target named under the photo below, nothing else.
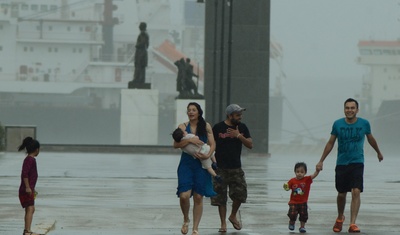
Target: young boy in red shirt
(300, 186)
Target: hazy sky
(319, 40)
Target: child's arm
(315, 174)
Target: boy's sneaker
(354, 228)
(218, 179)
(291, 225)
(302, 230)
(337, 228)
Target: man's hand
(319, 166)
(233, 133)
(380, 157)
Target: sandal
(30, 233)
(354, 228)
(337, 228)
(185, 227)
(195, 232)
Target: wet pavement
(119, 193)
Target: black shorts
(349, 176)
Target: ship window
(1, 48)
(24, 7)
(31, 48)
(34, 7)
(74, 50)
(388, 52)
(1, 69)
(55, 49)
(15, 6)
(384, 70)
(80, 50)
(1, 26)
(365, 52)
(377, 52)
(50, 49)
(4, 5)
(25, 49)
(53, 7)
(44, 8)
(68, 28)
(50, 28)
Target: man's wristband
(238, 135)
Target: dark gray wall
(249, 80)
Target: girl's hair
(201, 124)
(29, 144)
(300, 164)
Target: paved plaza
(120, 193)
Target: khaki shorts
(234, 180)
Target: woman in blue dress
(193, 180)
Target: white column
(139, 117)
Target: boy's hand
(286, 186)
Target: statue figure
(184, 83)
(141, 58)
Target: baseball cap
(234, 108)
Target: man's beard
(235, 122)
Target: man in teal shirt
(350, 132)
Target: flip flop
(236, 225)
(222, 230)
(185, 227)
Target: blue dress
(191, 175)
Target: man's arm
(248, 142)
(374, 145)
(328, 148)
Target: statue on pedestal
(141, 58)
(184, 83)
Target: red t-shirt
(300, 190)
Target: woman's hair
(201, 124)
(29, 144)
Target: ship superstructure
(66, 47)
(382, 81)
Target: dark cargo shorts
(234, 179)
(349, 176)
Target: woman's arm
(211, 142)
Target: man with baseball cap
(230, 135)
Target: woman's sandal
(26, 232)
(185, 227)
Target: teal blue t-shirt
(350, 140)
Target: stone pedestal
(134, 85)
(139, 117)
(181, 108)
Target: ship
(63, 64)
(380, 96)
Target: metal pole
(221, 61)
(214, 93)
(229, 66)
